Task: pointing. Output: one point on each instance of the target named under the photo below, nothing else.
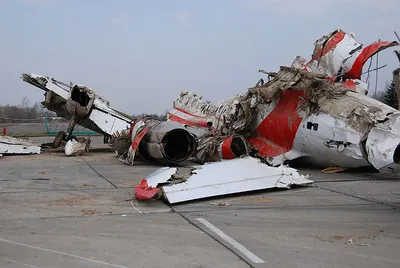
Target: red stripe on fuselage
(350, 84)
(226, 150)
(136, 141)
(331, 44)
(367, 52)
(277, 131)
(194, 115)
(186, 112)
(193, 123)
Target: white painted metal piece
(232, 176)
(108, 123)
(382, 143)
(338, 57)
(160, 175)
(129, 160)
(11, 145)
(73, 147)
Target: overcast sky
(141, 54)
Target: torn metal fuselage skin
(318, 110)
(338, 127)
(340, 55)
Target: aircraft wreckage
(17, 146)
(310, 109)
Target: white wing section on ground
(11, 145)
(232, 176)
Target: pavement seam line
(358, 197)
(250, 255)
(215, 239)
(61, 253)
(138, 210)
(110, 182)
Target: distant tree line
(161, 117)
(25, 112)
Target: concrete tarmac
(58, 211)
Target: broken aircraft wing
(216, 179)
(16, 146)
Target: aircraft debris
(304, 111)
(161, 141)
(223, 203)
(79, 104)
(299, 114)
(340, 55)
(77, 146)
(333, 170)
(16, 146)
(216, 179)
(318, 109)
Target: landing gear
(70, 129)
(106, 139)
(62, 136)
(58, 139)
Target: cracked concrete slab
(380, 191)
(345, 237)
(112, 241)
(309, 197)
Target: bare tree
(24, 102)
(379, 95)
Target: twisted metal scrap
(317, 88)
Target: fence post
(4, 131)
(47, 124)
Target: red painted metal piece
(132, 125)
(4, 131)
(277, 131)
(226, 151)
(367, 52)
(331, 44)
(190, 122)
(186, 112)
(350, 84)
(138, 138)
(145, 192)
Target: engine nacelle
(167, 142)
(232, 147)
